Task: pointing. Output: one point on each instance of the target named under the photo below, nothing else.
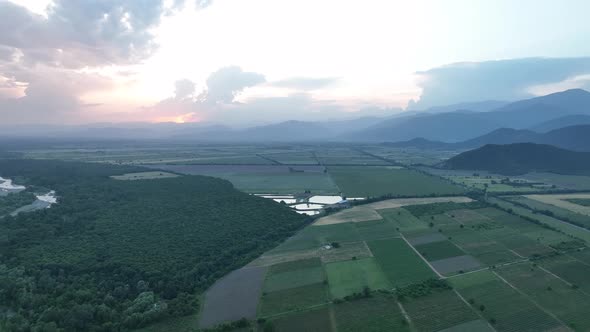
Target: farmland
(379, 181)
(428, 252)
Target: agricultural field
(265, 179)
(562, 201)
(335, 273)
(144, 176)
(379, 181)
(500, 265)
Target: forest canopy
(117, 255)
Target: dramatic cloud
(224, 84)
(44, 59)
(78, 34)
(494, 80)
(305, 83)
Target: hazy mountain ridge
(520, 158)
(573, 138)
(461, 125)
(434, 124)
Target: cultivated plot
(379, 181)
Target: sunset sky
(242, 62)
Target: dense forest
(13, 201)
(116, 255)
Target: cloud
(224, 84)
(77, 34)
(305, 83)
(42, 56)
(184, 89)
(493, 80)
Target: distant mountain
(572, 138)
(481, 106)
(561, 122)
(464, 125)
(520, 158)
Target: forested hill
(115, 255)
(512, 159)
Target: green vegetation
(568, 303)
(521, 158)
(291, 299)
(552, 211)
(579, 201)
(503, 305)
(400, 264)
(378, 313)
(438, 310)
(380, 181)
(144, 176)
(294, 274)
(348, 277)
(13, 201)
(122, 254)
(312, 321)
(439, 250)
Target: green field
(280, 183)
(403, 220)
(317, 320)
(349, 277)
(555, 211)
(439, 250)
(376, 314)
(579, 201)
(503, 306)
(291, 299)
(439, 310)
(144, 176)
(294, 274)
(400, 264)
(379, 181)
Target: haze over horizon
(243, 63)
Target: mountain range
(447, 124)
(520, 158)
(573, 138)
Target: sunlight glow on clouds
(268, 60)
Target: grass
(560, 201)
(571, 270)
(580, 201)
(403, 220)
(292, 279)
(439, 250)
(144, 176)
(568, 304)
(281, 183)
(505, 306)
(310, 321)
(349, 277)
(291, 299)
(556, 211)
(399, 262)
(566, 228)
(379, 181)
(313, 237)
(378, 313)
(438, 311)
(375, 230)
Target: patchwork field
(379, 181)
(144, 176)
(265, 179)
(562, 201)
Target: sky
(246, 62)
